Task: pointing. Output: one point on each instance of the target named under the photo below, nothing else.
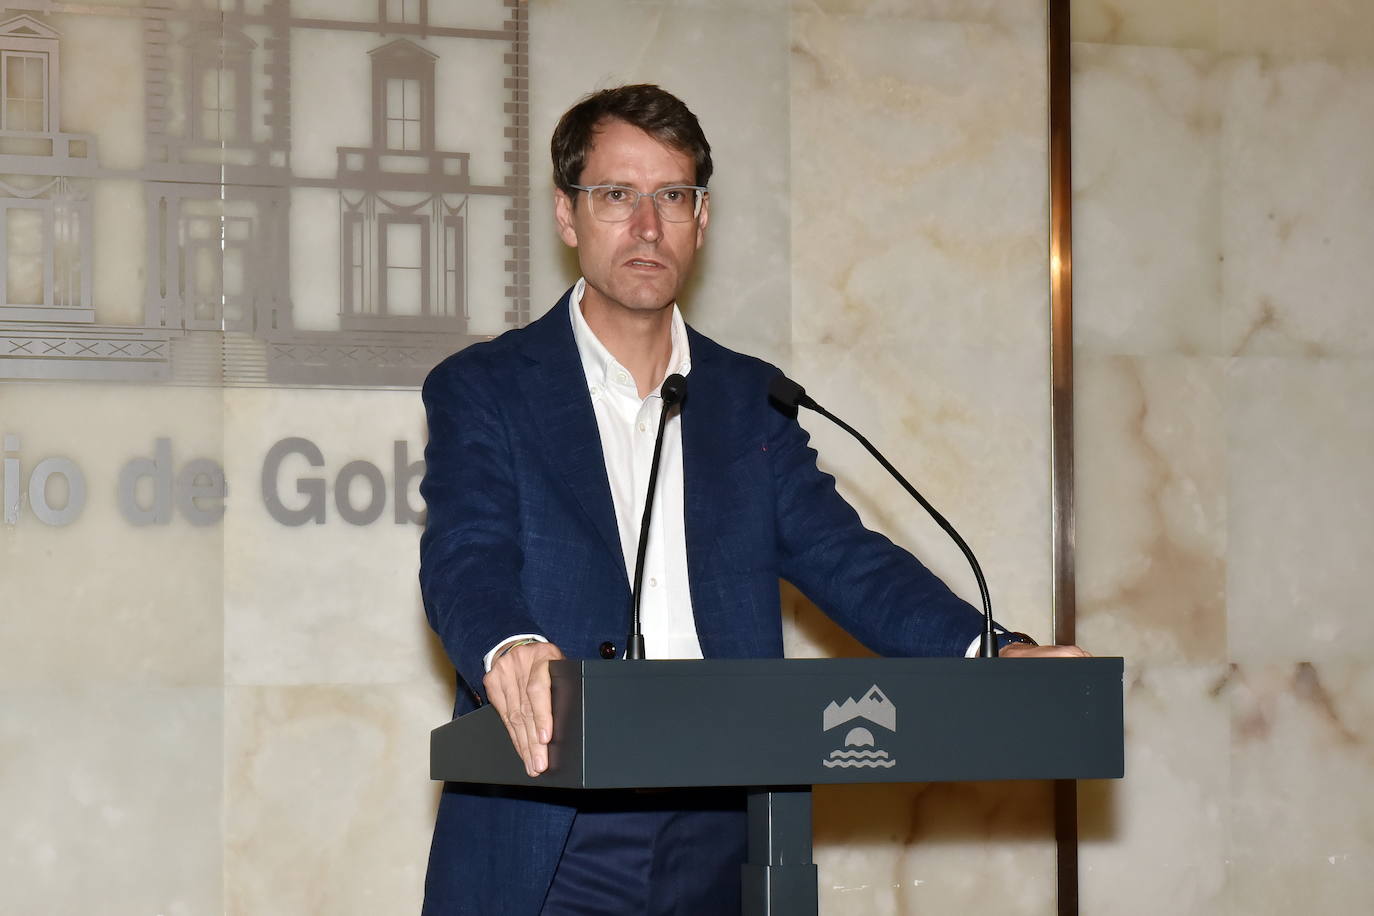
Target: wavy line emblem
(860, 746)
(859, 763)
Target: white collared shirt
(628, 425)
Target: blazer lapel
(555, 390)
(705, 427)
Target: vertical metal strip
(1061, 411)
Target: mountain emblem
(860, 746)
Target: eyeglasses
(613, 203)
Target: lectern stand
(781, 726)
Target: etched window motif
(235, 295)
(25, 229)
(403, 114)
(208, 198)
(201, 245)
(217, 254)
(25, 91)
(354, 255)
(402, 11)
(69, 228)
(218, 98)
(219, 82)
(455, 300)
(405, 247)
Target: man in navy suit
(535, 461)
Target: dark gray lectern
(781, 726)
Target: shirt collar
(603, 370)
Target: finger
(541, 702)
(521, 719)
(527, 736)
(537, 703)
(521, 716)
(500, 694)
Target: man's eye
(616, 195)
(672, 195)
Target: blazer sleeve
(470, 555)
(877, 591)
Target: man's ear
(702, 220)
(563, 216)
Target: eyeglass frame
(699, 191)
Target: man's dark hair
(658, 113)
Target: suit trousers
(662, 853)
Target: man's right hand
(518, 686)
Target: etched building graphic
(44, 210)
(332, 193)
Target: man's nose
(645, 222)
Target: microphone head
(787, 392)
(673, 389)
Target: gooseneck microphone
(788, 393)
(673, 390)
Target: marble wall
(1224, 366)
(233, 717)
(918, 157)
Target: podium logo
(861, 747)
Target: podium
(780, 726)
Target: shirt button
(595, 391)
(653, 583)
(622, 378)
(642, 427)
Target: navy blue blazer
(522, 538)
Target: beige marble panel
(1147, 253)
(973, 442)
(118, 277)
(480, 14)
(1297, 207)
(357, 10)
(112, 800)
(1157, 840)
(1000, 12)
(935, 848)
(1307, 28)
(741, 294)
(329, 98)
(1300, 444)
(329, 803)
(919, 213)
(315, 293)
(1302, 816)
(918, 264)
(915, 245)
(100, 599)
(173, 4)
(1168, 23)
(1151, 473)
(713, 7)
(323, 603)
(101, 84)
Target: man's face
(641, 264)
